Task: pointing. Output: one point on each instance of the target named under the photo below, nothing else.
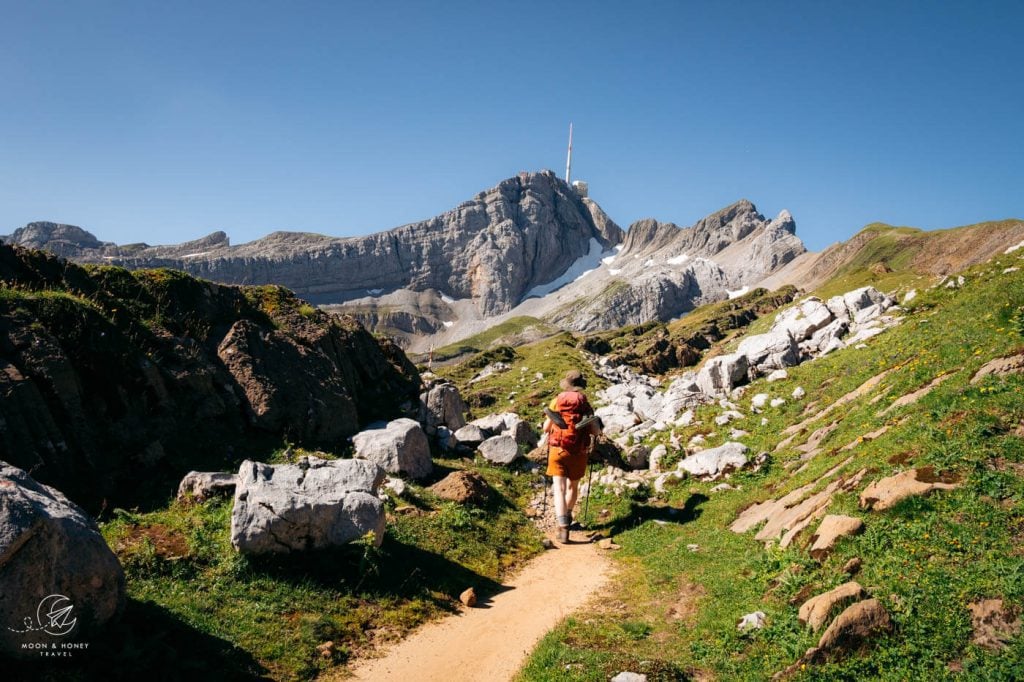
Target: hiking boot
(563, 534)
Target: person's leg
(571, 495)
(558, 489)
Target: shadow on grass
(641, 512)
(395, 569)
(147, 643)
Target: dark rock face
(53, 562)
(109, 378)
(493, 249)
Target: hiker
(569, 447)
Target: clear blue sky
(163, 121)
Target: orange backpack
(571, 406)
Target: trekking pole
(590, 484)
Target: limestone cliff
(492, 249)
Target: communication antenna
(568, 160)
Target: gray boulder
(828, 338)
(616, 418)
(313, 504)
(802, 320)
(53, 562)
(768, 352)
(202, 485)
(442, 405)
(471, 435)
(501, 449)
(399, 447)
(508, 423)
(719, 375)
(715, 462)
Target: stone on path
(313, 504)
(468, 597)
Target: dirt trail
(491, 642)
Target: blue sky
(161, 122)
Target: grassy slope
(925, 559)
(492, 336)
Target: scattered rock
(777, 402)
(1011, 364)
(993, 623)
(507, 423)
(852, 567)
(759, 401)
(52, 557)
(728, 416)
(831, 529)
(815, 611)
(468, 597)
(606, 543)
(546, 543)
(442, 405)
(799, 393)
(395, 486)
(713, 463)
(751, 621)
(629, 677)
(736, 434)
(851, 629)
(693, 548)
(202, 485)
(500, 449)
(462, 487)
(471, 435)
(886, 492)
(777, 375)
(657, 455)
(723, 487)
(399, 447)
(720, 374)
(637, 456)
(313, 504)
(766, 353)
(326, 650)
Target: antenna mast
(568, 160)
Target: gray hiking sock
(562, 520)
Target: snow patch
(1014, 248)
(447, 299)
(739, 292)
(448, 323)
(195, 255)
(578, 270)
(614, 271)
(374, 292)
(678, 260)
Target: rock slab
(313, 504)
(202, 485)
(60, 581)
(399, 447)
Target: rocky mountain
(491, 249)
(662, 270)
(116, 382)
(532, 245)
